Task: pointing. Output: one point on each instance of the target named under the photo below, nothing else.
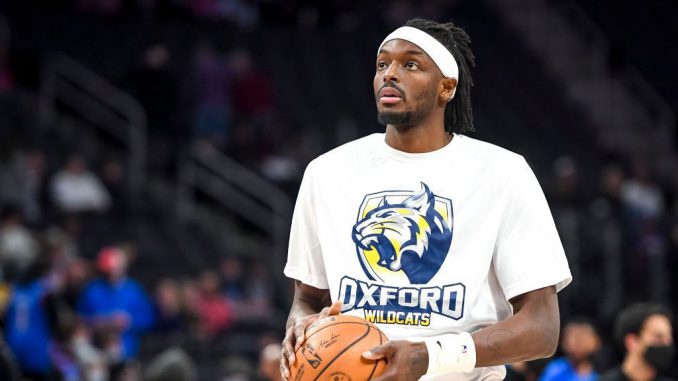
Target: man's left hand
(405, 360)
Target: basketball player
(445, 242)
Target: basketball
(333, 351)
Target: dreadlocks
(458, 113)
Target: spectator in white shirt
(75, 189)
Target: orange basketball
(333, 351)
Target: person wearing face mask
(644, 332)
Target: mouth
(389, 95)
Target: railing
(628, 113)
(203, 168)
(106, 108)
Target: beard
(396, 118)
(408, 117)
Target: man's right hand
(296, 335)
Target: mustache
(392, 84)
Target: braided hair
(458, 112)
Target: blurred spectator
(210, 92)
(259, 306)
(236, 368)
(35, 176)
(22, 175)
(116, 306)
(566, 203)
(75, 189)
(13, 173)
(232, 279)
(607, 234)
(252, 90)
(27, 328)
(113, 178)
(244, 13)
(169, 309)
(216, 314)
(642, 195)
(173, 364)
(18, 248)
(91, 360)
(157, 89)
(259, 288)
(269, 362)
(579, 343)
(644, 332)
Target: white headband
(440, 55)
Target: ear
(447, 87)
(422, 200)
(630, 342)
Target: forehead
(579, 328)
(657, 324)
(399, 47)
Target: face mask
(660, 357)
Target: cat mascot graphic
(410, 236)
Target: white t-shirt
(425, 244)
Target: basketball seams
(369, 328)
(333, 324)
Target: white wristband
(450, 353)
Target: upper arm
(305, 257)
(540, 308)
(542, 302)
(528, 254)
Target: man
(116, 307)
(443, 241)
(644, 332)
(579, 343)
(26, 323)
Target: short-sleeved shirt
(561, 369)
(617, 374)
(428, 243)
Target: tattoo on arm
(497, 338)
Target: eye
(412, 65)
(381, 65)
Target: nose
(391, 73)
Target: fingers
(297, 332)
(284, 372)
(332, 310)
(300, 330)
(383, 351)
(335, 308)
(287, 357)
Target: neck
(583, 367)
(637, 370)
(417, 139)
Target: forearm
(307, 301)
(531, 333)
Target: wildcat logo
(402, 239)
(402, 236)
